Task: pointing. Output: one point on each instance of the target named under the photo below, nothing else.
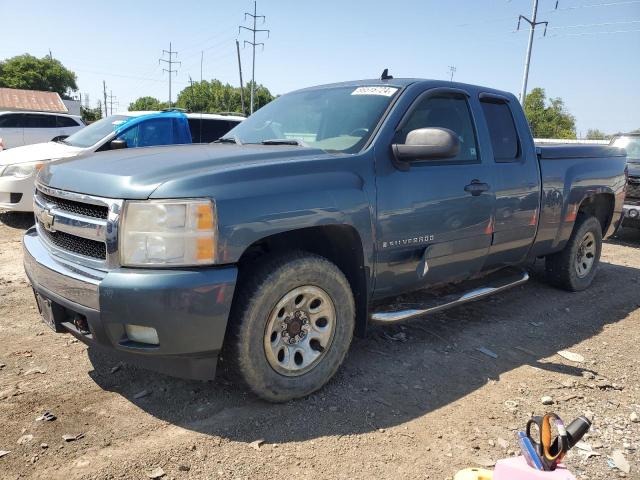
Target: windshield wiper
(234, 139)
(283, 141)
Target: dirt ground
(412, 401)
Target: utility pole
(240, 71)
(170, 61)
(111, 102)
(532, 28)
(253, 30)
(452, 70)
(104, 91)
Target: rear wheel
(575, 266)
(291, 327)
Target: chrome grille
(78, 227)
(633, 188)
(78, 245)
(94, 211)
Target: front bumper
(188, 308)
(16, 194)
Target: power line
(170, 62)
(591, 5)
(253, 30)
(593, 33)
(587, 25)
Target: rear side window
(33, 120)
(207, 130)
(502, 129)
(66, 122)
(11, 120)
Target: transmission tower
(253, 43)
(169, 70)
(452, 70)
(532, 28)
(112, 98)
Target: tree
(214, 96)
(90, 115)
(147, 103)
(31, 73)
(595, 134)
(548, 119)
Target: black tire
(245, 354)
(561, 267)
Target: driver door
(432, 227)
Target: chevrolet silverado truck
(267, 250)
(631, 143)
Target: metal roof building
(31, 100)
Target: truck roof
(405, 82)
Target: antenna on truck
(385, 75)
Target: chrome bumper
(70, 281)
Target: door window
(157, 131)
(64, 122)
(449, 111)
(33, 120)
(12, 120)
(502, 129)
(207, 130)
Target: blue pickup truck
(270, 248)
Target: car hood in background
(135, 173)
(38, 151)
(634, 169)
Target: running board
(495, 283)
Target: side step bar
(490, 287)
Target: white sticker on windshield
(384, 91)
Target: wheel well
(600, 206)
(339, 244)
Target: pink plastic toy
(516, 468)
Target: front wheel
(291, 326)
(575, 266)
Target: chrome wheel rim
(300, 330)
(586, 255)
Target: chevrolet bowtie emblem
(47, 218)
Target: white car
(18, 166)
(25, 128)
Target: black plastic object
(575, 431)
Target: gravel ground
(412, 401)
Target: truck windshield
(95, 132)
(337, 119)
(631, 145)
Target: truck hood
(37, 152)
(138, 172)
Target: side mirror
(427, 144)
(117, 144)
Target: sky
(590, 56)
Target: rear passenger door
(516, 183)
(11, 129)
(66, 125)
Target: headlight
(22, 170)
(168, 233)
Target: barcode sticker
(384, 91)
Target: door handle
(476, 187)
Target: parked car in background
(279, 242)
(631, 143)
(18, 166)
(26, 128)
